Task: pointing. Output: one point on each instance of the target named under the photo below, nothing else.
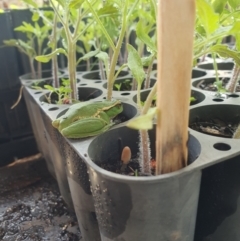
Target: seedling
(62, 92)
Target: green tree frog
(84, 120)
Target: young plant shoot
(70, 14)
(144, 122)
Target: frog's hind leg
(86, 128)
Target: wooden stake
(175, 28)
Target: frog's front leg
(86, 127)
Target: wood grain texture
(175, 48)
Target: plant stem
(111, 77)
(101, 69)
(149, 99)
(144, 142)
(33, 72)
(54, 59)
(145, 152)
(72, 70)
(101, 25)
(39, 68)
(231, 86)
(147, 81)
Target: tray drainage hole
(38, 92)
(222, 147)
(218, 99)
(83, 84)
(53, 108)
(233, 95)
(99, 81)
(125, 93)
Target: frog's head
(56, 123)
(116, 108)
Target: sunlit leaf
(207, 16)
(218, 5)
(47, 58)
(35, 17)
(76, 3)
(143, 122)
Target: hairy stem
(231, 86)
(144, 152)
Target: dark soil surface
(31, 208)
(209, 85)
(131, 169)
(215, 127)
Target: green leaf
(11, 42)
(31, 3)
(104, 57)
(49, 87)
(219, 86)
(76, 4)
(143, 36)
(219, 5)
(47, 58)
(35, 16)
(192, 99)
(147, 60)
(26, 27)
(207, 16)
(225, 52)
(234, 3)
(143, 122)
(236, 33)
(135, 64)
(92, 54)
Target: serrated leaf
(225, 52)
(234, 3)
(35, 16)
(207, 16)
(143, 122)
(76, 4)
(48, 57)
(143, 36)
(219, 5)
(26, 27)
(147, 60)
(135, 64)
